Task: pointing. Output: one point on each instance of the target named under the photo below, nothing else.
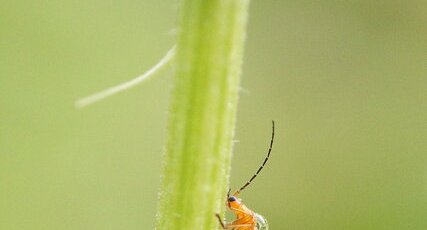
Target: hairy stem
(202, 113)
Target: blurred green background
(344, 80)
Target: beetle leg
(230, 225)
(233, 226)
(220, 221)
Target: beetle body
(246, 219)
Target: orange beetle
(246, 219)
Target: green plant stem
(202, 113)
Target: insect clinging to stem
(246, 219)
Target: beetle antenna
(262, 166)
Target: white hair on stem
(91, 99)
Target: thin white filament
(89, 100)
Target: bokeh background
(344, 80)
